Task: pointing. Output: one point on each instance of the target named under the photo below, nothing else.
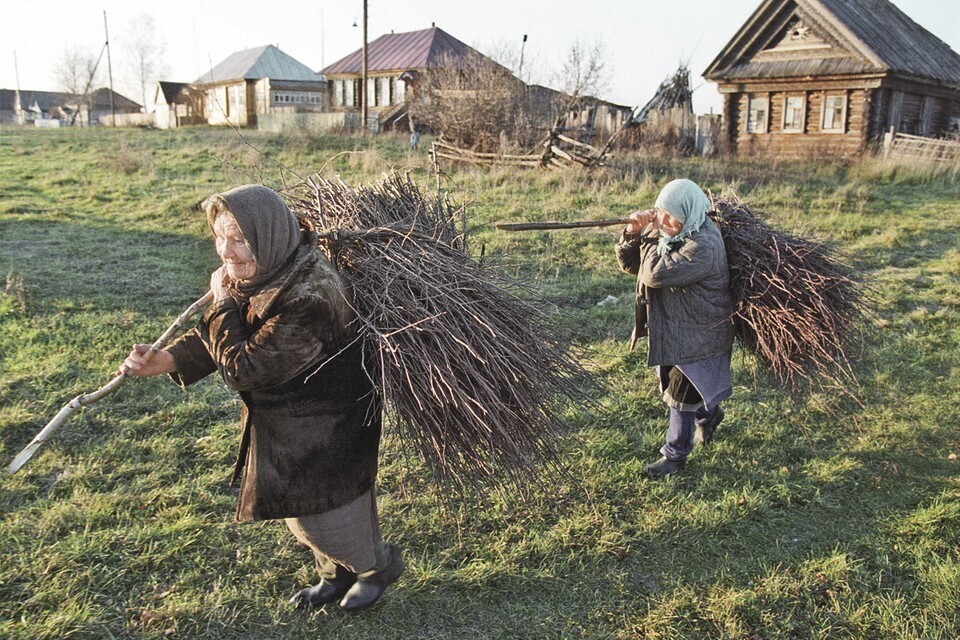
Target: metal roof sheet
(261, 62)
(422, 49)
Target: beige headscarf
(267, 224)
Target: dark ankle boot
(665, 467)
(370, 585)
(327, 590)
(704, 432)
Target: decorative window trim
(803, 114)
(758, 124)
(843, 113)
(296, 97)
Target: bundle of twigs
(472, 371)
(798, 305)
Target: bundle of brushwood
(798, 304)
(474, 374)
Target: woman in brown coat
(282, 333)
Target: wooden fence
(557, 151)
(916, 148)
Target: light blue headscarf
(685, 201)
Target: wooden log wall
(812, 140)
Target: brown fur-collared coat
(310, 418)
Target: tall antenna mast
(113, 111)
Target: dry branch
(86, 399)
(799, 307)
(474, 375)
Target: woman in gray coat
(684, 306)
(282, 333)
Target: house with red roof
(394, 62)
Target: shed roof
(422, 49)
(262, 62)
(171, 90)
(797, 38)
(101, 99)
(45, 100)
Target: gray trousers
(347, 537)
(680, 432)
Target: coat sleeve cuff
(192, 359)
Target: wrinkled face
(233, 249)
(668, 224)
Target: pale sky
(644, 41)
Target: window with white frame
(401, 91)
(834, 113)
(296, 97)
(384, 92)
(794, 108)
(237, 97)
(757, 109)
(349, 93)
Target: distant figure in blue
(684, 306)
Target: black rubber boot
(704, 432)
(665, 467)
(327, 590)
(370, 585)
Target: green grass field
(820, 518)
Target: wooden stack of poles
(475, 377)
(557, 151)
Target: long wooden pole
(539, 226)
(106, 35)
(364, 98)
(85, 399)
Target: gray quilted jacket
(684, 303)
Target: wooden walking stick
(539, 226)
(85, 399)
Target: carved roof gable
(808, 38)
(798, 35)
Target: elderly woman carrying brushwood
(684, 307)
(282, 332)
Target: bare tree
(469, 100)
(76, 74)
(76, 71)
(584, 71)
(143, 48)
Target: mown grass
(821, 518)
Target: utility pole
(363, 83)
(520, 68)
(19, 106)
(106, 34)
